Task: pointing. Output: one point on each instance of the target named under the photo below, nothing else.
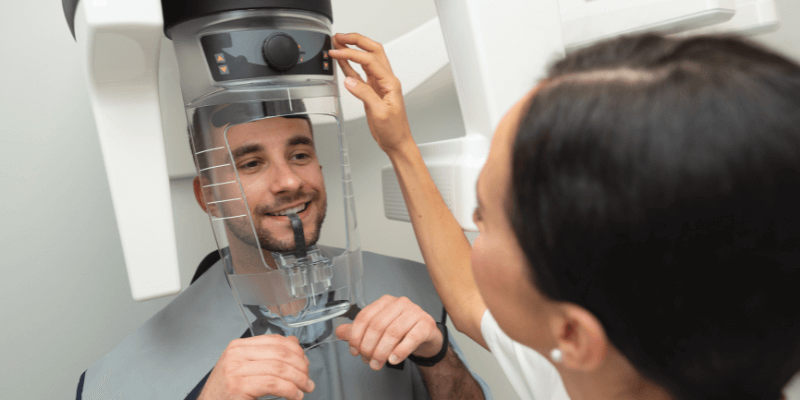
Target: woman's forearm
(444, 246)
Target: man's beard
(242, 229)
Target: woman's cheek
(480, 263)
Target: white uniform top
(530, 373)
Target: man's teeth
(300, 208)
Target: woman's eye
(476, 215)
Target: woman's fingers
(363, 92)
(366, 44)
(347, 69)
(357, 39)
(371, 66)
(380, 92)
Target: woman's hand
(381, 92)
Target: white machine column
(498, 51)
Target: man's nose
(283, 179)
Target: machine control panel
(281, 52)
(254, 54)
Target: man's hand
(259, 366)
(381, 92)
(389, 330)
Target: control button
(324, 54)
(281, 52)
(220, 58)
(224, 70)
(326, 66)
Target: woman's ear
(580, 337)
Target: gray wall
(64, 299)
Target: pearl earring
(556, 355)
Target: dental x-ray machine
(497, 50)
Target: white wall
(64, 296)
(787, 38)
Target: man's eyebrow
(298, 140)
(246, 149)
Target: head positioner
(242, 112)
(262, 176)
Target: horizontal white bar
(216, 166)
(238, 216)
(222, 201)
(217, 184)
(216, 148)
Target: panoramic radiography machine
(265, 63)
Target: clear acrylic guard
(257, 161)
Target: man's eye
(301, 157)
(249, 165)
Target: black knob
(280, 52)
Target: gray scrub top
(173, 351)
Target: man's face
(279, 171)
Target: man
(278, 171)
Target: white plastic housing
(586, 22)
(415, 57)
(498, 52)
(454, 165)
(119, 43)
(752, 17)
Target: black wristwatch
(431, 361)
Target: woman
(638, 216)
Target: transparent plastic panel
(275, 180)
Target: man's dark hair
(237, 113)
(656, 183)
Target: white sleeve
(531, 374)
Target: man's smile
(293, 209)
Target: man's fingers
(413, 339)
(380, 324)
(392, 336)
(343, 331)
(260, 386)
(245, 354)
(291, 343)
(276, 368)
(363, 319)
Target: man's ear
(197, 183)
(580, 337)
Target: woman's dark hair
(656, 183)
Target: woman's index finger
(359, 40)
